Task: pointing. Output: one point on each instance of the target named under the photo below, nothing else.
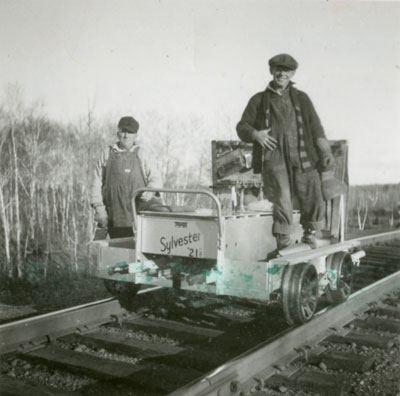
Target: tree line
(374, 206)
(45, 174)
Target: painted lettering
(168, 244)
(165, 247)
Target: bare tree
(362, 211)
(6, 229)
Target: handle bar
(179, 191)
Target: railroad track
(196, 347)
(279, 363)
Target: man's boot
(282, 241)
(310, 238)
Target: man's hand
(147, 195)
(101, 216)
(264, 140)
(327, 161)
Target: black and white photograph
(199, 197)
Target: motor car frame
(225, 248)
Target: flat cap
(283, 60)
(128, 124)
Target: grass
(58, 290)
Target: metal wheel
(285, 292)
(299, 293)
(341, 268)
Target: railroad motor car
(223, 244)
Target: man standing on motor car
(289, 149)
(121, 169)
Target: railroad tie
(380, 324)
(388, 312)
(337, 360)
(317, 382)
(368, 340)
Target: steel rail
(378, 237)
(27, 333)
(180, 191)
(298, 257)
(262, 358)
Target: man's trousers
(281, 186)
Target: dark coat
(253, 119)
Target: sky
(208, 57)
